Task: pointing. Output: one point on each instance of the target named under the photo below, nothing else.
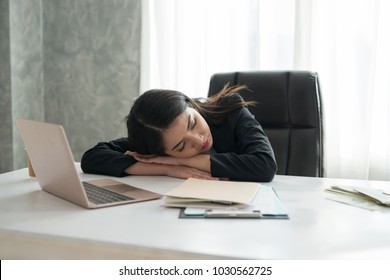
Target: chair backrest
(289, 110)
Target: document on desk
(370, 199)
(209, 194)
(265, 205)
(222, 199)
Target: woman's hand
(197, 166)
(154, 158)
(177, 171)
(184, 172)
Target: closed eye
(179, 147)
(182, 147)
(192, 127)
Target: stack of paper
(362, 197)
(208, 194)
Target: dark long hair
(156, 109)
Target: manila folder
(209, 194)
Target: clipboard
(266, 205)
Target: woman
(174, 135)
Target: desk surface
(35, 224)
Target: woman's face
(188, 135)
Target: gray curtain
(70, 62)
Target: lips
(206, 145)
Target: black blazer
(241, 151)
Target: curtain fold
(346, 42)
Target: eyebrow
(188, 128)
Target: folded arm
(111, 158)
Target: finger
(205, 178)
(205, 175)
(133, 154)
(224, 179)
(146, 156)
(137, 155)
(213, 178)
(143, 159)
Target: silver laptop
(53, 163)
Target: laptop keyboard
(100, 195)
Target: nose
(197, 141)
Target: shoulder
(120, 144)
(239, 117)
(231, 100)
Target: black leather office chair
(290, 112)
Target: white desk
(35, 224)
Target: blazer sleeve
(250, 157)
(108, 158)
